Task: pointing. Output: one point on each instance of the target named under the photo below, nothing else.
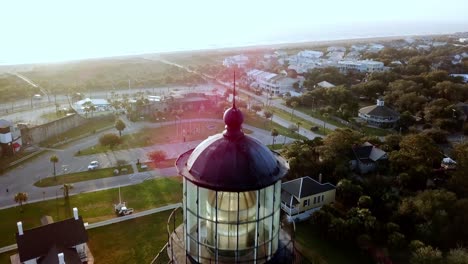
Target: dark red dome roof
(232, 161)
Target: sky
(49, 31)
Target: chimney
(20, 228)
(320, 177)
(75, 213)
(61, 258)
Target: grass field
(304, 123)
(82, 176)
(318, 250)
(53, 115)
(262, 123)
(133, 241)
(93, 207)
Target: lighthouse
(231, 200)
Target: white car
(93, 165)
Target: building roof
(94, 101)
(38, 241)
(232, 161)
(325, 84)
(368, 152)
(379, 110)
(70, 256)
(306, 186)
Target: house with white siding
(301, 197)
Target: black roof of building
(379, 110)
(70, 256)
(38, 241)
(305, 186)
(232, 161)
(362, 153)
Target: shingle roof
(70, 255)
(377, 110)
(38, 241)
(368, 152)
(305, 186)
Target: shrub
(110, 140)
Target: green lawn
(262, 123)
(319, 250)
(93, 207)
(304, 123)
(134, 241)
(86, 129)
(374, 131)
(82, 176)
(53, 115)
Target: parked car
(93, 165)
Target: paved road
(21, 178)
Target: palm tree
(66, 190)
(294, 104)
(299, 123)
(54, 159)
(120, 126)
(89, 107)
(274, 134)
(21, 198)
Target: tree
(415, 149)
(426, 255)
(66, 190)
(120, 126)
(88, 106)
(256, 108)
(267, 114)
(274, 134)
(303, 157)
(457, 256)
(459, 181)
(21, 198)
(294, 104)
(109, 139)
(299, 123)
(348, 192)
(365, 201)
(54, 159)
(157, 156)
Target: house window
(315, 200)
(306, 202)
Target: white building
(464, 76)
(375, 47)
(271, 82)
(361, 65)
(336, 48)
(100, 105)
(239, 60)
(309, 54)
